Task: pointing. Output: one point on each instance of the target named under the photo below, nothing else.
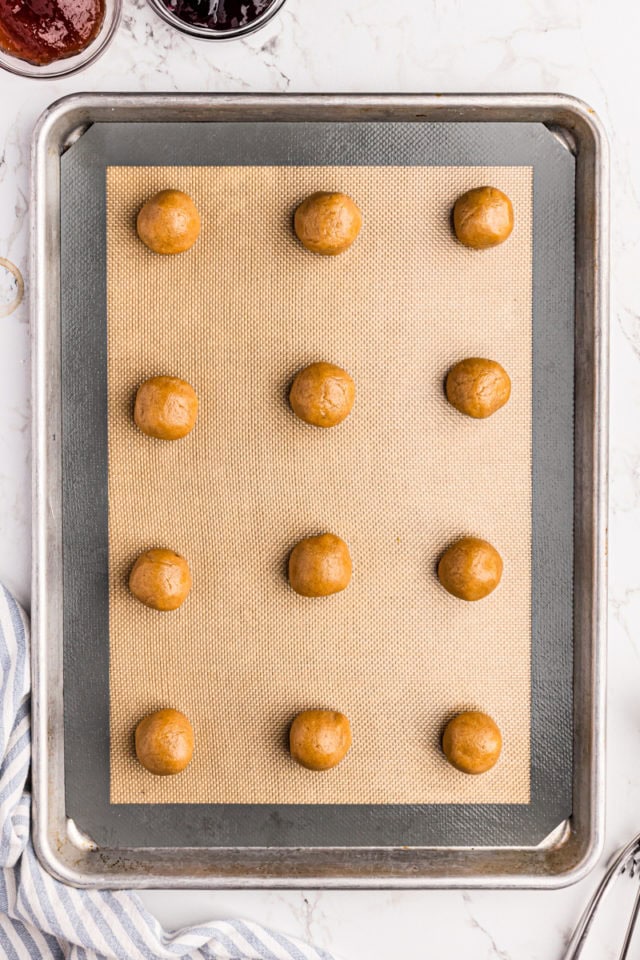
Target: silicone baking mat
(399, 480)
(402, 478)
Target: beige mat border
(240, 755)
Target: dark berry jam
(43, 31)
(218, 14)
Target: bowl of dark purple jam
(217, 19)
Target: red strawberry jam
(43, 31)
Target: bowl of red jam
(54, 38)
(217, 19)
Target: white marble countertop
(581, 47)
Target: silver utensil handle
(581, 932)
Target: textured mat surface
(400, 480)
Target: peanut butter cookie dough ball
(320, 739)
(470, 569)
(327, 223)
(169, 222)
(478, 387)
(160, 579)
(483, 218)
(472, 742)
(320, 566)
(164, 742)
(166, 408)
(322, 394)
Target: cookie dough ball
(319, 739)
(322, 394)
(164, 742)
(483, 218)
(320, 566)
(478, 387)
(470, 569)
(160, 579)
(327, 223)
(472, 742)
(166, 408)
(169, 222)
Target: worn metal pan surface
(144, 859)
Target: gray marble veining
(582, 47)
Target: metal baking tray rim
(574, 848)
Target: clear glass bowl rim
(207, 33)
(69, 65)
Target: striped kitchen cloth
(40, 917)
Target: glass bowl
(209, 33)
(69, 65)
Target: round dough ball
(160, 579)
(320, 566)
(327, 223)
(483, 218)
(164, 742)
(322, 394)
(320, 739)
(478, 387)
(472, 742)
(166, 408)
(169, 222)
(470, 569)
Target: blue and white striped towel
(40, 917)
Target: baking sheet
(407, 820)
